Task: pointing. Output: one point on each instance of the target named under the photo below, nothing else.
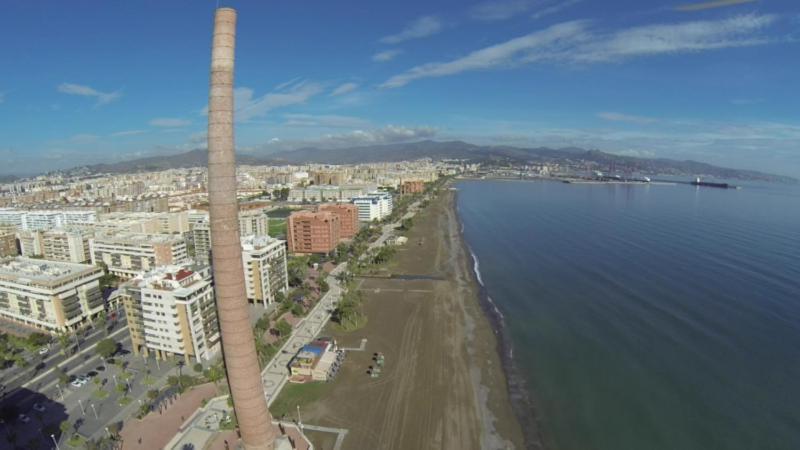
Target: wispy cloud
(387, 55)
(577, 43)
(500, 9)
(344, 89)
(249, 107)
(420, 28)
(552, 9)
(711, 5)
(619, 117)
(128, 133)
(324, 121)
(388, 134)
(86, 91)
(169, 122)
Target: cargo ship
(698, 182)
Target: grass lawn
(298, 394)
(100, 394)
(277, 227)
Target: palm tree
(238, 345)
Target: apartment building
(265, 271)
(31, 243)
(127, 254)
(172, 311)
(48, 295)
(251, 222)
(313, 232)
(41, 220)
(412, 187)
(348, 217)
(373, 206)
(66, 245)
(8, 244)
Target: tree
(64, 343)
(36, 340)
(283, 328)
(323, 284)
(65, 426)
(106, 348)
(297, 269)
(298, 310)
(63, 378)
(102, 321)
(197, 367)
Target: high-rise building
(373, 206)
(348, 218)
(31, 243)
(171, 311)
(8, 244)
(313, 232)
(48, 295)
(412, 187)
(251, 222)
(127, 254)
(66, 245)
(265, 270)
(41, 220)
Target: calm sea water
(647, 317)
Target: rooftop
(40, 271)
(140, 238)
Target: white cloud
(344, 89)
(387, 55)
(169, 122)
(558, 7)
(324, 121)
(619, 117)
(575, 42)
(711, 5)
(249, 107)
(86, 91)
(548, 40)
(500, 9)
(420, 28)
(128, 133)
(386, 135)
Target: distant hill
(499, 155)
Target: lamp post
(60, 392)
(299, 422)
(83, 411)
(53, 437)
(95, 411)
(115, 379)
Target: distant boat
(698, 182)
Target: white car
(43, 351)
(78, 382)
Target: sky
(717, 81)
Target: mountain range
(446, 150)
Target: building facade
(251, 222)
(171, 311)
(8, 244)
(66, 245)
(373, 206)
(312, 232)
(265, 271)
(49, 296)
(126, 255)
(348, 217)
(412, 187)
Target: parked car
(78, 382)
(43, 351)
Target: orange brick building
(348, 217)
(412, 187)
(313, 232)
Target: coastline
(443, 385)
(517, 389)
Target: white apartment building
(373, 206)
(42, 220)
(251, 222)
(30, 243)
(172, 311)
(265, 271)
(48, 295)
(127, 254)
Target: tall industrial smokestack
(238, 346)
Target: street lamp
(114, 376)
(83, 411)
(53, 437)
(299, 422)
(60, 392)
(94, 410)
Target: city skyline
(706, 80)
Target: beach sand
(443, 385)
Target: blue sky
(717, 81)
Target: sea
(646, 317)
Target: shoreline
(517, 391)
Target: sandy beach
(443, 386)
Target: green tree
(106, 348)
(298, 310)
(323, 284)
(63, 378)
(283, 328)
